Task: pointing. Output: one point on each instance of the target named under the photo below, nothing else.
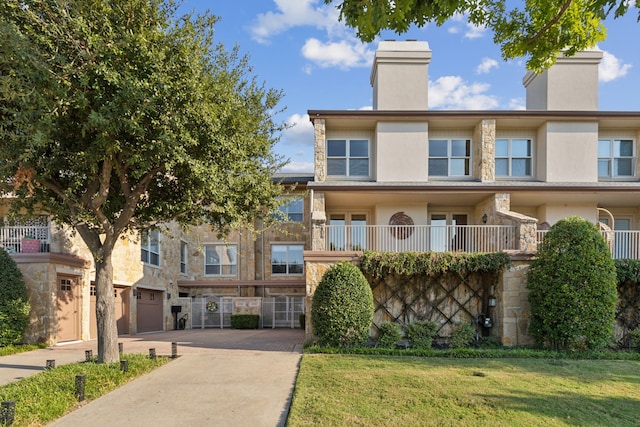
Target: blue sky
(300, 47)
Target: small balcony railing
(421, 238)
(622, 243)
(25, 238)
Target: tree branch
(551, 23)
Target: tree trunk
(105, 310)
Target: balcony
(421, 238)
(624, 244)
(30, 238)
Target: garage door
(121, 309)
(149, 303)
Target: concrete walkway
(222, 377)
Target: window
(151, 247)
(449, 157)
(183, 257)
(348, 157)
(220, 260)
(286, 259)
(513, 157)
(292, 210)
(616, 158)
(347, 232)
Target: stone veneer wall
(484, 150)
(497, 209)
(318, 221)
(319, 129)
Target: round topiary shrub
(14, 303)
(420, 333)
(462, 335)
(572, 287)
(389, 334)
(342, 307)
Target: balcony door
(347, 232)
(445, 232)
(625, 245)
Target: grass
(374, 390)
(49, 395)
(15, 349)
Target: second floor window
(292, 210)
(287, 259)
(151, 247)
(450, 157)
(183, 257)
(348, 157)
(220, 260)
(513, 157)
(616, 158)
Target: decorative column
(484, 151)
(319, 152)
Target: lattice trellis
(628, 309)
(446, 299)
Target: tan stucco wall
(568, 152)
(402, 152)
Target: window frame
(146, 247)
(348, 158)
(611, 158)
(450, 158)
(510, 157)
(287, 264)
(233, 267)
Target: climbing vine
(430, 264)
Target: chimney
(400, 75)
(569, 84)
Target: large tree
(536, 29)
(118, 115)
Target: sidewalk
(222, 377)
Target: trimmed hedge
(245, 321)
(342, 306)
(14, 302)
(389, 334)
(573, 287)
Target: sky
(301, 48)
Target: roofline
(486, 114)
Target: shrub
(461, 335)
(342, 306)
(14, 302)
(245, 321)
(302, 318)
(389, 334)
(634, 339)
(421, 333)
(572, 287)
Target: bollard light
(120, 347)
(88, 355)
(124, 365)
(51, 363)
(80, 384)
(174, 350)
(7, 412)
(152, 353)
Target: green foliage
(634, 339)
(117, 116)
(245, 321)
(14, 302)
(421, 333)
(462, 335)
(539, 29)
(572, 287)
(389, 334)
(627, 270)
(342, 306)
(430, 264)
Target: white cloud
(299, 131)
(611, 68)
(517, 104)
(486, 65)
(298, 167)
(453, 93)
(474, 32)
(344, 54)
(293, 13)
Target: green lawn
(336, 390)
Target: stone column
(484, 151)
(318, 222)
(319, 152)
